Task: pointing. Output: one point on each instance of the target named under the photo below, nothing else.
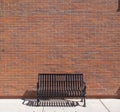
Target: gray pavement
(68, 105)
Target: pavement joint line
(104, 105)
(43, 109)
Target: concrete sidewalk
(29, 105)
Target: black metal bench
(61, 86)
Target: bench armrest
(84, 85)
(37, 85)
(84, 88)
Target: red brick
(59, 36)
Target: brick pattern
(59, 36)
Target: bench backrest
(60, 82)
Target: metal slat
(81, 80)
(44, 86)
(41, 84)
(72, 85)
(80, 83)
(70, 82)
(70, 77)
(63, 85)
(77, 88)
(66, 85)
(50, 85)
(77, 84)
(74, 88)
(54, 85)
(57, 86)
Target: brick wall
(59, 36)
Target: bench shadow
(51, 103)
(29, 99)
(118, 10)
(118, 92)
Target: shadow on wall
(29, 94)
(118, 10)
(118, 92)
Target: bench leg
(81, 99)
(84, 105)
(37, 101)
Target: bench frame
(49, 86)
